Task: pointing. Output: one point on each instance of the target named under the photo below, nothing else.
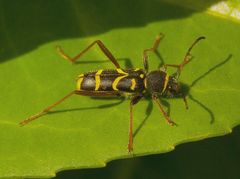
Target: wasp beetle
(136, 82)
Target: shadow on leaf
(26, 25)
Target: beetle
(117, 82)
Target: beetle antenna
(188, 56)
(186, 59)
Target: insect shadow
(201, 77)
(121, 100)
(186, 92)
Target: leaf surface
(83, 132)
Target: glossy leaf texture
(84, 132)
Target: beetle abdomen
(112, 80)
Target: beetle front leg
(155, 98)
(185, 102)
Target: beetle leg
(155, 98)
(101, 46)
(185, 102)
(135, 99)
(83, 93)
(145, 52)
(35, 116)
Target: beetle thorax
(156, 81)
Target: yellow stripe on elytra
(133, 85)
(116, 81)
(165, 82)
(79, 83)
(97, 79)
(119, 70)
(81, 75)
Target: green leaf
(83, 132)
(202, 159)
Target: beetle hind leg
(100, 45)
